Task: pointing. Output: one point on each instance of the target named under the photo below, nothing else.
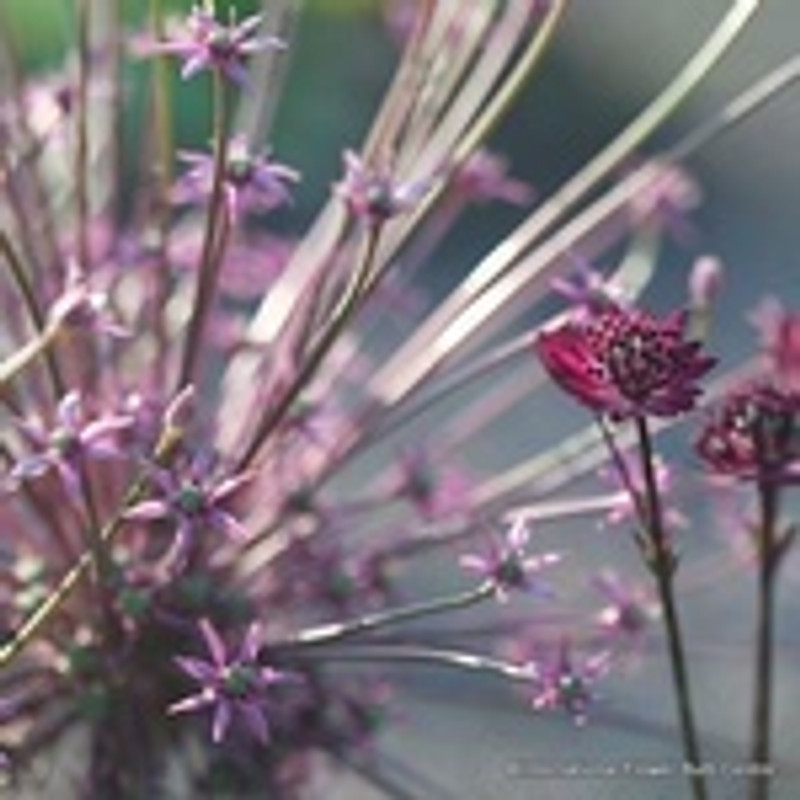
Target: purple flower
(374, 196)
(230, 685)
(624, 510)
(483, 178)
(251, 184)
(507, 566)
(629, 610)
(589, 291)
(194, 500)
(434, 492)
(205, 43)
(567, 685)
(626, 362)
(754, 434)
(81, 308)
(70, 444)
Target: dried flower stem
(662, 564)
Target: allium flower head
(252, 183)
(626, 362)
(507, 565)
(205, 43)
(232, 685)
(754, 434)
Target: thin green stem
(760, 752)
(339, 631)
(38, 318)
(662, 564)
(319, 349)
(422, 654)
(82, 132)
(217, 225)
(162, 148)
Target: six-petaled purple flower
(374, 195)
(70, 444)
(190, 496)
(507, 566)
(251, 183)
(562, 682)
(207, 44)
(231, 685)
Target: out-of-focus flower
(670, 196)
(231, 685)
(374, 196)
(70, 444)
(626, 363)
(204, 43)
(629, 613)
(779, 333)
(566, 684)
(435, 492)
(754, 434)
(589, 291)
(624, 511)
(251, 183)
(507, 565)
(705, 282)
(484, 178)
(81, 308)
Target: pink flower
(754, 434)
(626, 362)
(779, 331)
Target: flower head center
(66, 443)
(240, 169)
(239, 680)
(190, 499)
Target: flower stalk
(767, 556)
(663, 564)
(214, 237)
